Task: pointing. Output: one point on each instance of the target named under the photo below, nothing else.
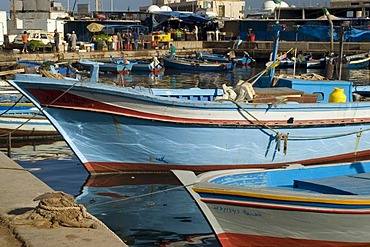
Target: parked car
(45, 38)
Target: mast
(14, 18)
(327, 14)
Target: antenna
(98, 5)
(14, 18)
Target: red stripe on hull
(68, 100)
(113, 167)
(244, 240)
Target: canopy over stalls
(184, 16)
(160, 17)
(322, 33)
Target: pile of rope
(48, 73)
(57, 209)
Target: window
(221, 10)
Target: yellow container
(338, 95)
(162, 37)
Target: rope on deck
(283, 136)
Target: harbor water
(144, 209)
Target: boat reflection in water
(147, 209)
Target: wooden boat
(28, 63)
(309, 64)
(114, 65)
(219, 58)
(325, 205)
(195, 64)
(359, 61)
(24, 121)
(62, 68)
(146, 66)
(162, 129)
(113, 128)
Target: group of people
(71, 40)
(126, 41)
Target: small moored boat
(326, 205)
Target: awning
(184, 16)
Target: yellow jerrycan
(337, 95)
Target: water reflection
(171, 78)
(38, 149)
(358, 77)
(146, 209)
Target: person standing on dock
(195, 31)
(56, 40)
(114, 42)
(172, 51)
(136, 40)
(142, 40)
(73, 41)
(119, 42)
(25, 42)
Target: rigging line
(61, 95)
(12, 106)
(328, 136)
(292, 136)
(22, 124)
(139, 196)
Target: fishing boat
(324, 205)
(28, 63)
(305, 63)
(113, 128)
(20, 118)
(24, 122)
(63, 68)
(113, 65)
(195, 64)
(147, 66)
(359, 61)
(161, 129)
(219, 58)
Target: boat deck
(263, 95)
(358, 184)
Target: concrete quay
(185, 48)
(18, 189)
(259, 50)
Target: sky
(124, 5)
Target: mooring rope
(285, 136)
(139, 196)
(20, 126)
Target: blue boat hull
(195, 65)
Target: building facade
(230, 9)
(42, 15)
